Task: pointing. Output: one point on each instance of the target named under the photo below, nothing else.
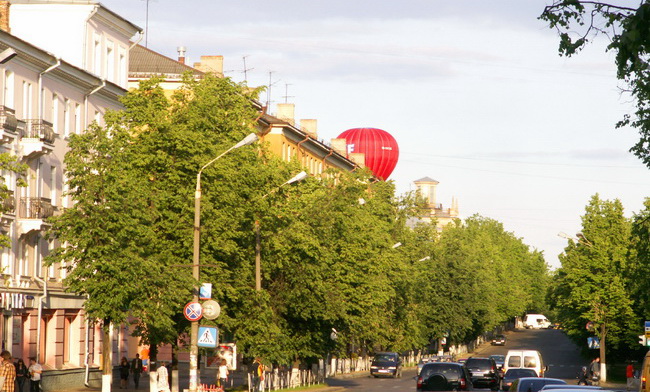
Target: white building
(64, 64)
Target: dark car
(484, 372)
(499, 340)
(513, 374)
(387, 365)
(533, 384)
(499, 360)
(444, 376)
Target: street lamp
(579, 238)
(194, 331)
(258, 236)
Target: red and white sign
(193, 311)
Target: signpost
(208, 337)
(647, 333)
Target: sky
(474, 92)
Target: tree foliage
(592, 284)
(327, 244)
(628, 30)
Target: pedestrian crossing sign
(208, 337)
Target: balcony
(36, 138)
(8, 125)
(32, 212)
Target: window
(66, 117)
(6, 262)
(110, 61)
(27, 100)
(9, 89)
(55, 113)
(77, 118)
(38, 259)
(97, 55)
(64, 191)
(53, 195)
(122, 68)
(98, 117)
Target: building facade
(63, 64)
(432, 210)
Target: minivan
(525, 359)
(536, 321)
(386, 364)
(645, 374)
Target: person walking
(257, 374)
(629, 374)
(35, 372)
(163, 382)
(136, 370)
(124, 373)
(7, 372)
(22, 374)
(222, 373)
(594, 371)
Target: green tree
(628, 29)
(591, 284)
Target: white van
(525, 359)
(536, 321)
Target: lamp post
(258, 236)
(194, 331)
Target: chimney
(359, 158)
(339, 145)
(210, 64)
(309, 126)
(4, 15)
(181, 54)
(286, 112)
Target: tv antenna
(245, 71)
(268, 90)
(286, 95)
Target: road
(559, 354)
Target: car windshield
(449, 371)
(534, 385)
(498, 358)
(530, 361)
(514, 361)
(519, 373)
(385, 357)
(478, 363)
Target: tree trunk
(603, 359)
(153, 365)
(107, 356)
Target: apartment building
(63, 65)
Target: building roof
(145, 62)
(426, 179)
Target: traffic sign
(205, 292)
(193, 311)
(211, 309)
(647, 329)
(208, 337)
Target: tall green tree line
(328, 260)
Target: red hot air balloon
(378, 145)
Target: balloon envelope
(379, 147)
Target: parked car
(386, 364)
(499, 340)
(511, 375)
(444, 376)
(533, 384)
(484, 372)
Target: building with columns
(433, 211)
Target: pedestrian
(22, 374)
(124, 373)
(136, 370)
(7, 372)
(257, 374)
(222, 373)
(629, 374)
(594, 371)
(35, 372)
(162, 384)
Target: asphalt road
(559, 354)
